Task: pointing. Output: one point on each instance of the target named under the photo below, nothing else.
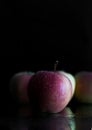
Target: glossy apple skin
(19, 85)
(72, 80)
(83, 91)
(49, 91)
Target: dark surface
(21, 118)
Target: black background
(34, 34)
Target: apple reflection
(60, 121)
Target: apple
(19, 85)
(71, 78)
(49, 91)
(83, 91)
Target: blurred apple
(83, 91)
(19, 85)
(71, 78)
(49, 91)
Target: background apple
(71, 78)
(19, 85)
(49, 91)
(83, 91)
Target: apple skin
(83, 91)
(72, 80)
(49, 91)
(19, 85)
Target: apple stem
(55, 65)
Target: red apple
(19, 85)
(83, 91)
(49, 91)
(72, 80)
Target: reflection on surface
(61, 121)
(67, 112)
(81, 119)
(25, 121)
